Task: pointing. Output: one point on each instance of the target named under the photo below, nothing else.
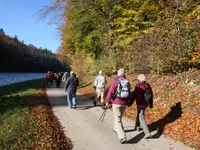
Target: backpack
(148, 95)
(123, 88)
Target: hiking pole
(102, 116)
(105, 109)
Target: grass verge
(27, 120)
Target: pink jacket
(112, 90)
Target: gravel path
(88, 133)
(8, 78)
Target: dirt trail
(82, 125)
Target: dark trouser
(57, 83)
(47, 83)
(141, 120)
(51, 83)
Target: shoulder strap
(118, 79)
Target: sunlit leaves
(161, 33)
(176, 111)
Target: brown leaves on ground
(176, 111)
(48, 132)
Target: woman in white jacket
(64, 78)
(99, 86)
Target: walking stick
(103, 115)
(105, 109)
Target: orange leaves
(176, 111)
(46, 128)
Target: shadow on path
(83, 103)
(84, 84)
(173, 115)
(159, 125)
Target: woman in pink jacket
(142, 104)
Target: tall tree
(124, 32)
(2, 31)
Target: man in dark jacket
(142, 104)
(70, 87)
(51, 78)
(118, 105)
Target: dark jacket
(71, 84)
(139, 94)
(112, 91)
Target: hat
(120, 71)
(100, 72)
(141, 77)
(71, 73)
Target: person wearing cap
(70, 87)
(142, 104)
(99, 86)
(64, 77)
(118, 106)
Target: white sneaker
(147, 136)
(122, 141)
(137, 128)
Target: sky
(20, 17)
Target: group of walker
(142, 93)
(70, 82)
(51, 76)
(119, 96)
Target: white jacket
(64, 78)
(100, 81)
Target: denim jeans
(48, 84)
(51, 83)
(71, 99)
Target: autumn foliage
(176, 111)
(151, 36)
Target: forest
(143, 36)
(15, 56)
